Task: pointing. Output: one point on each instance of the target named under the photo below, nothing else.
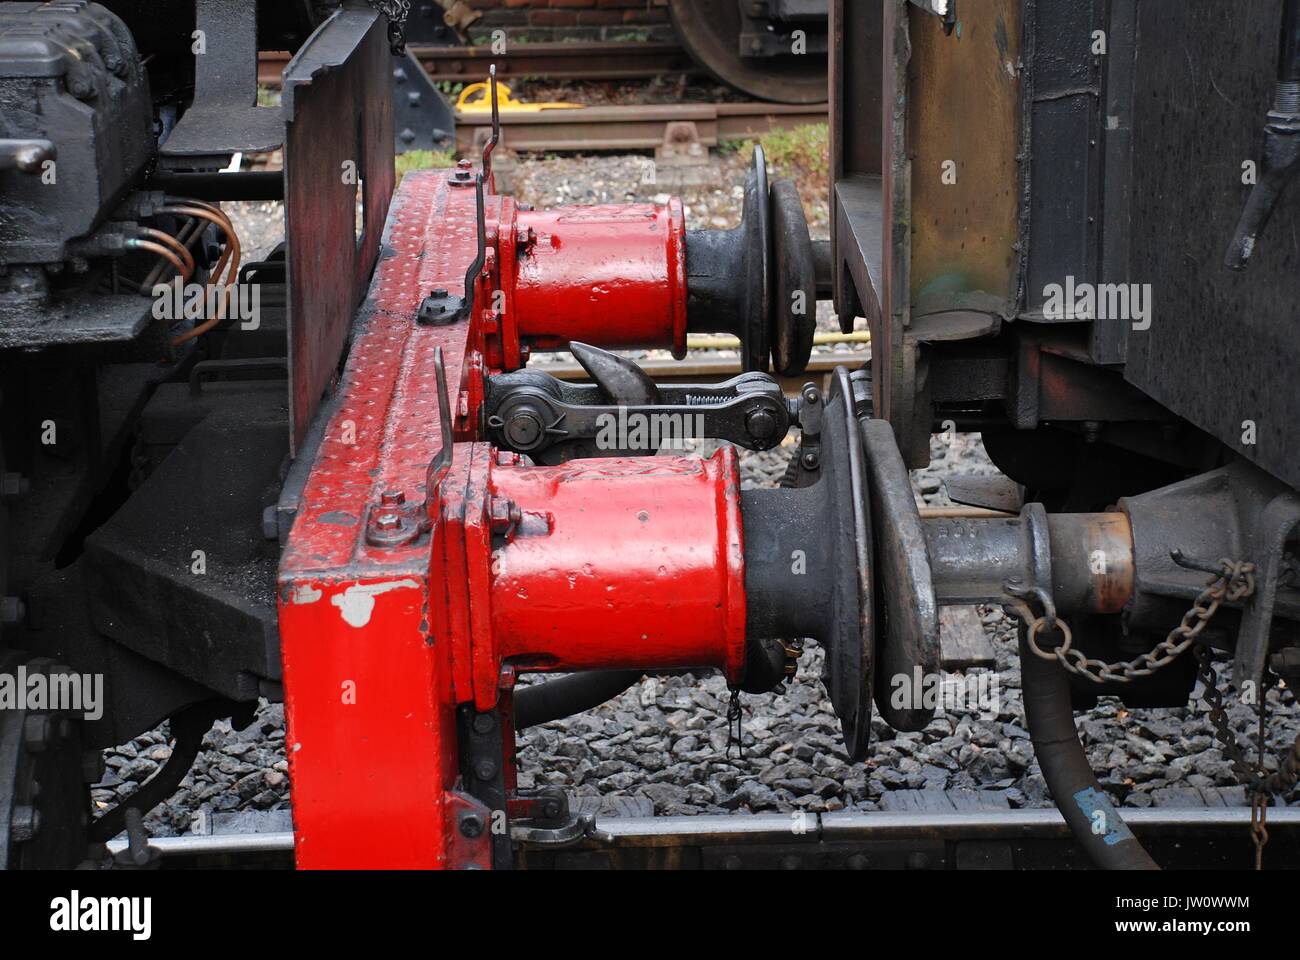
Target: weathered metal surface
(963, 140)
(907, 636)
(224, 117)
(350, 612)
(338, 151)
(1221, 349)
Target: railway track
(555, 61)
(634, 127)
(1178, 838)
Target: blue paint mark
(1092, 802)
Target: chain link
(1235, 582)
(396, 11)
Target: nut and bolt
(471, 824)
(462, 177)
(504, 515)
(485, 769)
(392, 498)
(388, 522)
(810, 461)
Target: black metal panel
(1222, 347)
(1064, 161)
(214, 623)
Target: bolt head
(760, 424)
(485, 769)
(392, 498)
(483, 723)
(388, 521)
(471, 824)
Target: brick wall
(542, 20)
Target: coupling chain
(396, 11)
(1235, 581)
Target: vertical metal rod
(476, 267)
(496, 124)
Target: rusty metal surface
(339, 143)
(637, 127)
(963, 109)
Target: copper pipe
(137, 243)
(175, 245)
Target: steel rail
(555, 61)
(754, 840)
(633, 127)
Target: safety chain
(735, 725)
(1235, 581)
(396, 11)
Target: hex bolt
(388, 521)
(485, 769)
(471, 824)
(24, 823)
(392, 498)
(503, 514)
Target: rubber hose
(578, 693)
(1093, 820)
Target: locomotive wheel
(710, 32)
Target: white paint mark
(357, 602)
(305, 593)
